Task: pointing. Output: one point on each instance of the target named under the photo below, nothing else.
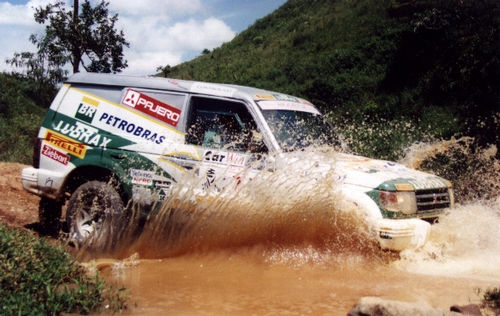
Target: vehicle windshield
(295, 130)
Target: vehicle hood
(361, 171)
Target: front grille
(432, 199)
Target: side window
(221, 124)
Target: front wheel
(93, 214)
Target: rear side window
(219, 124)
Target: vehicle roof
(151, 82)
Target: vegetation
(490, 300)
(38, 278)
(22, 110)
(431, 63)
(87, 38)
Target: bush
(22, 112)
(38, 278)
(491, 299)
(17, 136)
(474, 170)
(378, 137)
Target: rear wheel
(93, 213)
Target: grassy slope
(429, 64)
(20, 118)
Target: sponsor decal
(215, 89)
(141, 177)
(83, 133)
(236, 159)
(66, 144)
(284, 97)
(215, 156)
(429, 183)
(227, 158)
(164, 184)
(385, 235)
(210, 179)
(152, 107)
(49, 182)
(288, 106)
(131, 128)
(404, 187)
(55, 154)
(264, 97)
(87, 109)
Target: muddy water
(312, 280)
(254, 254)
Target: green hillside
(428, 69)
(21, 114)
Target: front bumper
(42, 182)
(29, 179)
(394, 234)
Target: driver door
(225, 133)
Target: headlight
(396, 201)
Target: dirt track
(17, 206)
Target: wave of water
(271, 219)
(269, 212)
(465, 242)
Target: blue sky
(160, 32)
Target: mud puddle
(238, 285)
(303, 255)
(317, 280)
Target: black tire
(49, 215)
(93, 214)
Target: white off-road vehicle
(109, 141)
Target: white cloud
(20, 14)
(145, 63)
(195, 35)
(160, 32)
(17, 39)
(155, 41)
(15, 14)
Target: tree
(41, 74)
(164, 70)
(88, 39)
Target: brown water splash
(473, 170)
(268, 212)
